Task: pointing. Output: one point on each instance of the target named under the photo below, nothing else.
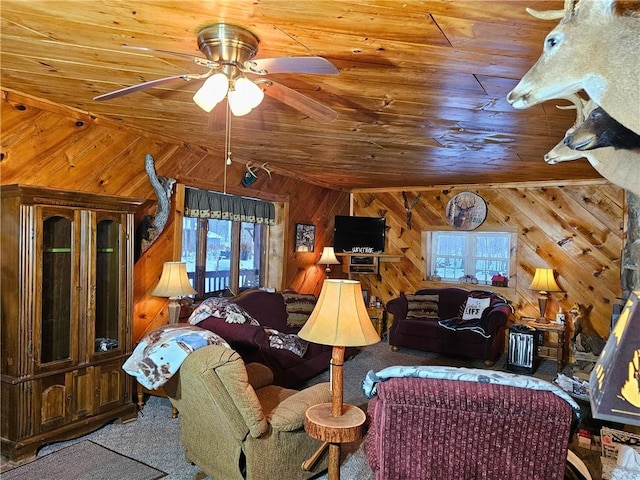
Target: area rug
(84, 461)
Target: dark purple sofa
(252, 343)
(428, 335)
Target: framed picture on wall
(466, 211)
(305, 237)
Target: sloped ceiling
(420, 94)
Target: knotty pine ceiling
(420, 94)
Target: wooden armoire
(66, 318)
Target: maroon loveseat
(252, 341)
(437, 429)
(427, 334)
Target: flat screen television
(359, 234)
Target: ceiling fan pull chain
(227, 146)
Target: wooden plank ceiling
(420, 94)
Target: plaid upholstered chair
(235, 424)
(472, 427)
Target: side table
(378, 317)
(321, 424)
(549, 349)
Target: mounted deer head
(251, 173)
(619, 166)
(600, 130)
(593, 49)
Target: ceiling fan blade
(300, 102)
(314, 65)
(140, 86)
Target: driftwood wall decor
(152, 225)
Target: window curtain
(206, 204)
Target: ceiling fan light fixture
(251, 93)
(212, 91)
(237, 104)
(244, 96)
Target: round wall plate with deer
(466, 211)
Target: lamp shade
(212, 91)
(614, 387)
(174, 281)
(544, 281)
(328, 257)
(340, 317)
(244, 96)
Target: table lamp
(327, 258)
(173, 283)
(544, 282)
(339, 319)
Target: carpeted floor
(154, 438)
(84, 460)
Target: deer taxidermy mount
(568, 65)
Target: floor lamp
(339, 319)
(174, 283)
(328, 258)
(544, 282)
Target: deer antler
(549, 14)
(250, 170)
(578, 104)
(264, 167)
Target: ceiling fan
(229, 51)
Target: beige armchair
(235, 424)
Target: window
(224, 240)
(481, 255)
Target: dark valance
(206, 204)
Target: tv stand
(365, 263)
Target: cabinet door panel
(112, 381)
(53, 396)
(108, 284)
(58, 242)
(83, 402)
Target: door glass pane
(211, 247)
(250, 247)
(56, 289)
(218, 268)
(107, 293)
(190, 246)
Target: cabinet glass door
(108, 285)
(57, 275)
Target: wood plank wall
(576, 229)
(52, 146)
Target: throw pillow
(299, 307)
(475, 307)
(287, 341)
(422, 306)
(161, 352)
(223, 308)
